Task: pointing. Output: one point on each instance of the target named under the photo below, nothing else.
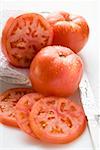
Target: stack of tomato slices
(50, 119)
(49, 46)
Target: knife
(91, 111)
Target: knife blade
(91, 110)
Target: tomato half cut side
(26, 35)
(8, 100)
(54, 124)
(23, 108)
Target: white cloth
(10, 74)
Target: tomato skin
(72, 31)
(56, 71)
(57, 129)
(23, 108)
(7, 105)
(4, 36)
(24, 36)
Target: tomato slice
(57, 120)
(23, 108)
(8, 100)
(24, 36)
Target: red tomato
(69, 30)
(8, 100)
(24, 36)
(23, 108)
(56, 70)
(57, 120)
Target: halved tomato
(8, 100)
(24, 36)
(23, 108)
(57, 120)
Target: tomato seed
(22, 116)
(57, 129)
(51, 102)
(43, 124)
(67, 121)
(40, 112)
(72, 108)
(62, 107)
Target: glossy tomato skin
(8, 100)
(24, 36)
(57, 120)
(4, 35)
(56, 70)
(69, 30)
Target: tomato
(23, 108)
(24, 36)
(8, 100)
(56, 70)
(57, 120)
(71, 31)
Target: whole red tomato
(69, 30)
(56, 70)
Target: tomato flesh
(57, 120)
(8, 100)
